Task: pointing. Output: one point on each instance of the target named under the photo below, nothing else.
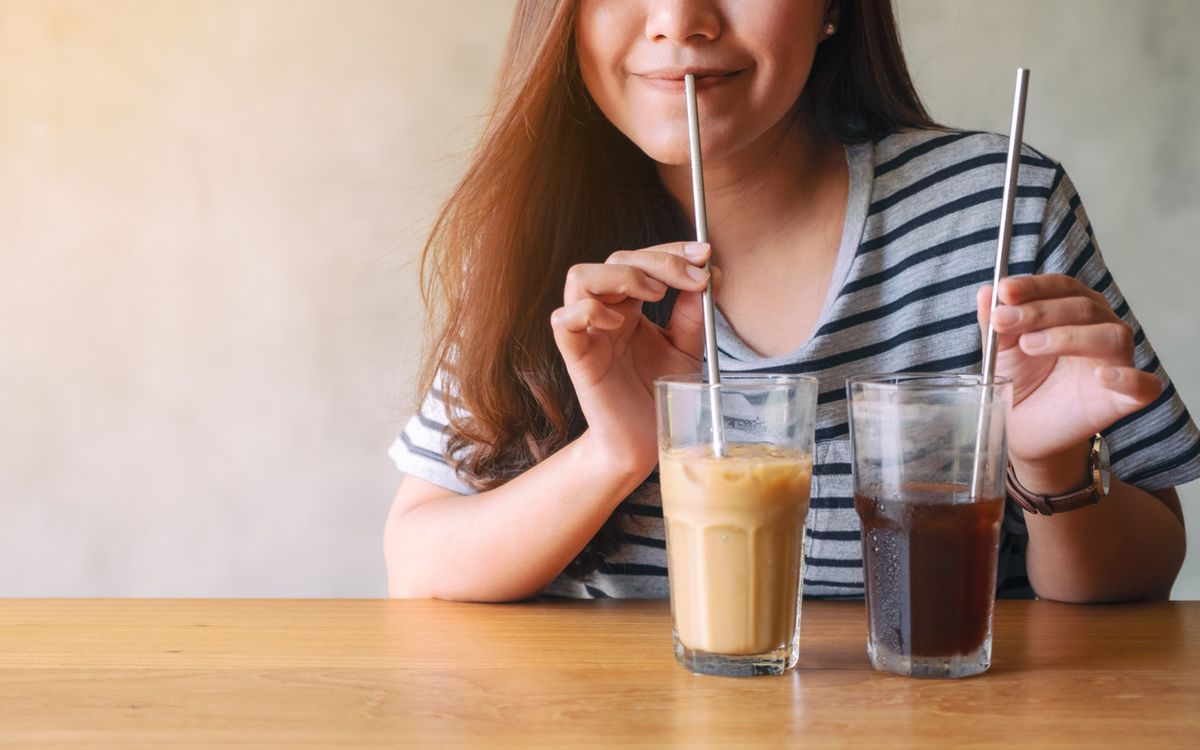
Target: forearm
(508, 543)
(1128, 546)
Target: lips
(671, 79)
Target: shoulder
(961, 161)
(941, 190)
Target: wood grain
(392, 674)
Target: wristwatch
(1094, 492)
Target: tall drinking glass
(930, 543)
(735, 521)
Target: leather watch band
(1048, 504)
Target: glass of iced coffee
(735, 511)
(931, 514)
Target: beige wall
(210, 211)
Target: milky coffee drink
(735, 543)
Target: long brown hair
(552, 183)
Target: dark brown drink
(930, 571)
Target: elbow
(403, 579)
(1150, 581)
(413, 575)
(401, 586)
(1085, 594)
(404, 584)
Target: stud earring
(829, 29)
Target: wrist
(1058, 474)
(614, 460)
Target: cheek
(606, 32)
(600, 31)
(779, 82)
(785, 48)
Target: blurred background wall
(210, 213)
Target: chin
(670, 146)
(668, 153)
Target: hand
(613, 352)
(1071, 362)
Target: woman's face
(751, 59)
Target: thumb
(685, 330)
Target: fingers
(610, 284)
(631, 277)
(1016, 290)
(1135, 387)
(571, 322)
(1107, 342)
(983, 304)
(639, 274)
(1053, 314)
(679, 264)
(1050, 313)
(695, 253)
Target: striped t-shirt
(921, 224)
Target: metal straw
(1006, 222)
(710, 317)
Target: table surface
(183, 673)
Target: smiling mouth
(672, 80)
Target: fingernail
(1035, 340)
(697, 273)
(1108, 374)
(1008, 316)
(656, 286)
(695, 249)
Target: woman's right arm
(508, 543)
(511, 542)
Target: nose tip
(683, 22)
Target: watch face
(1103, 477)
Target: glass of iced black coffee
(930, 513)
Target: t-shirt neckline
(860, 165)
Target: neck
(759, 195)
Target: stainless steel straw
(1006, 222)
(710, 318)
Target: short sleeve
(1158, 446)
(420, 449)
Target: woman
(849, 234)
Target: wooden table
(397, 674)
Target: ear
(833, 12)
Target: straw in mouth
(710, 325)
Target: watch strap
(1047, 505)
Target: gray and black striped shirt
(921, 225)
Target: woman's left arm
(1128, 546)
(1070, 358)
